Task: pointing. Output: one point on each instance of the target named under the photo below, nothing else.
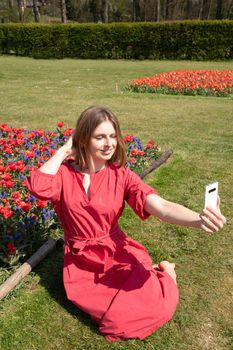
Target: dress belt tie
(95, 253)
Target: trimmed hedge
(192, 40)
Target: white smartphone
(211, 195)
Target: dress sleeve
(136, 192)
(45, 186)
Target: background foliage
(198, 40)
(105, 11)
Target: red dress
(106, 273)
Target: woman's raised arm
(53, 164)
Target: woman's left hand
(212, 220)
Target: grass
(37, 93)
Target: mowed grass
(38, 93)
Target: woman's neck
(94, 168)
(91, 169)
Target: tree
(169, 6)
(204, 12)
(136, 11)
(21, 9)
(229, 12)
(11, 4)
(158, 10)
(189, 8)
(104, 11)
(95, 10)
(219, 9)
(36, 11)
(11, 12)
(74, 9)
(63, 11)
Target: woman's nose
(107, 141)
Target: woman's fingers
(215, 214)
(212, 220)
(208, 225)
(68, 145)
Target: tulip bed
(26, 222)
(187, 82)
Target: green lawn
(38, 93)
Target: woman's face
(103, 143)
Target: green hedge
(192, 40)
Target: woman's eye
(101, 137)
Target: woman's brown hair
(86, 124)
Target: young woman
(107, 274)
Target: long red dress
(106, 273)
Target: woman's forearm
(177, 214)
(172, 213)
(209, 220)
(53, 164)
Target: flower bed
(187, 82)
(26, 222)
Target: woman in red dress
(107, 274)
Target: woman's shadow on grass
(50, 272)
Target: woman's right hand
(68, 146)
(52, 165)
(212, 220)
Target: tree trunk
(136, 11)
(94, 9)
(168, 10)
(145, 7)
(63, 11)
(10, 4)
(104, 11)
(208, 13)
(205, 9)
(36, 11)
(229, 16)
(189, 9)
(158, 11)
(200, 9)
(219, 9)
(21, 8)
(11, 11)
(154, 11)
